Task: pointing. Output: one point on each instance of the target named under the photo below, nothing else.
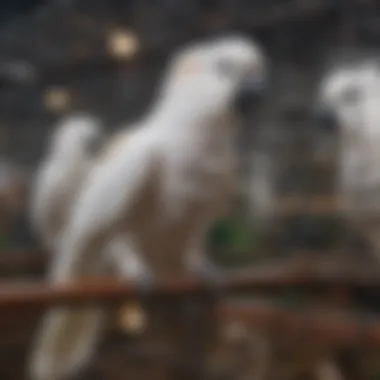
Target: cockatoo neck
(190, 108)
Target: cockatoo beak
(250, 92)
(325, 118)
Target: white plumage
(58, 179)
(352, 94)
(161, 187)
(73, 150)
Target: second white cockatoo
(161, 188)
(76, 144)
(349, 99)
(73, 146)
(73, 150)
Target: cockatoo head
(349, 97)
(76, 136)
(215, 74)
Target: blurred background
(105, 57)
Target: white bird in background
(75, 147)
(349, 98)
(162, 187)
(72, 149)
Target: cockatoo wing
(45, 204)
(67, 337)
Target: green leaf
(235, 233)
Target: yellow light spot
(57, 99)
(132, 319)
(123, 44)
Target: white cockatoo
(161, 188)
(75, 146)
(349, 98)
(71, 151)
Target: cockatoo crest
(207, 75)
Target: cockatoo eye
(350, 96)
(227, 69)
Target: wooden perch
(312, 273)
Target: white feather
(57, 184)
(60, 176)
(163, 187)
(353, 94)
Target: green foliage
(235, 240)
